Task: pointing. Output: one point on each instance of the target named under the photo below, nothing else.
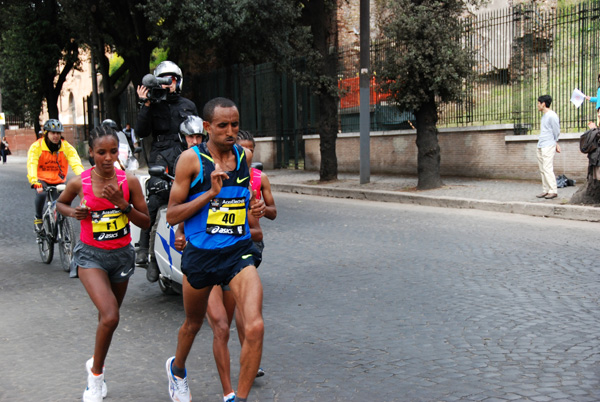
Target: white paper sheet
(577, 97)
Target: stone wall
(265, 151)
(485, 152)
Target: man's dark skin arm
(188, 168)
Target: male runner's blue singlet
(223, 221)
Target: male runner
(211, 195)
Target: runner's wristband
(128, 209)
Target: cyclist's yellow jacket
(51, 167)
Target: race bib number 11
(109, 224)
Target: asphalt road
(364, 301)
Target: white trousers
(545, 157)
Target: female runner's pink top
(255, 181)
(106, 226)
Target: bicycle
(55, 229)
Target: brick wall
(21, 139)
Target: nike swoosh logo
(242, 180)
(244, 257)
(126, 273)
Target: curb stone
(571, 212)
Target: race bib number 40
(227, 216)
(109, 224)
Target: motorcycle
(162, 253)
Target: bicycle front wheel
(46, 242)
(66, 243)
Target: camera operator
(163, 109)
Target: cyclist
(48, 161)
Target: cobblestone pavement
(463, 187)
(507, 196)
(363, 301)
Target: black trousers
(154, 203)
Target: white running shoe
(178, 387)
(93, 391)
(88, 367)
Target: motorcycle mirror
(156, 171)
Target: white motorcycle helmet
(190, 126)
(169, 68)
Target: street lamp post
(95, 111)
(365, 118)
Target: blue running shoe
(178, 387)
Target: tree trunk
(111, 102)
(52, 104)
(52, 110)
(588, 193)
(328, 136)
(428, 160)
(321, 15)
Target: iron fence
(271, 104)
(522, 52)
(16, 121)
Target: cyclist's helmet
(190, 126)
(53, 125)
(110, 123)
(169, 68)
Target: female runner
(104, 259)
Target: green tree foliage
(297, 36)
(115, 62)
(36, 54)
(116, 26)
(219, 33)
(427, 64)
(201, 36)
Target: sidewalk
(508, 196)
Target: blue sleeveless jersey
(223, 221)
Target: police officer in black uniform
(191, 133)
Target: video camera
(156, 92)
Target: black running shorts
(119, 264)
(217, 267)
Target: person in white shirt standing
(547, 147)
